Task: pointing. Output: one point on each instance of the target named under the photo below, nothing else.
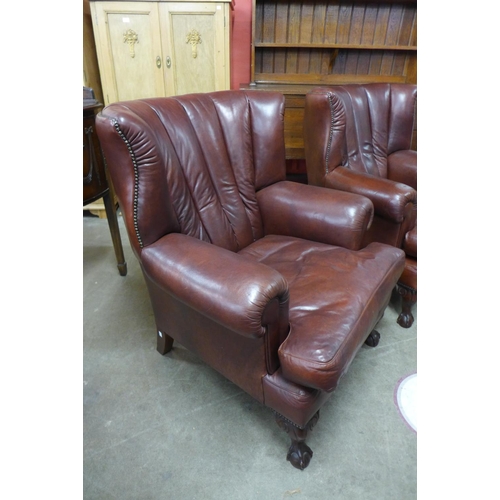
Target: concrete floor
(169, 427)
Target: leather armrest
(410, 243)
(389, 198)
(402, 167)
(226, 287)
(315, 213)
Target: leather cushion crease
(332, 303)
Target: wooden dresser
(160, 48)
(300, 44)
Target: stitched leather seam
(219, 197)
(182, 104)
(374, 147)
(136, 179)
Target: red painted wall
(241, 40)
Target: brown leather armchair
(357, 138)
(262, 278)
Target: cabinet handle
(169, 62)
(158, 62)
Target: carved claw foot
(299, 454)
(405, 319)
(409, 297)
(373, 339)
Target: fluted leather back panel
(402, 117)
(201, 157)
(377, 119)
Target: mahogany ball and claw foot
(373, 339)
(409, 297)
(299, 454)
(405, 319)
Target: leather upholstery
(328, 292)
(262, 278)
(357, 139)
(410, 243)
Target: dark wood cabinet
(95, 184)
(95, 181)
(300, 44)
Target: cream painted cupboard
(161, 48)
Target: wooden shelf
(301, 44)
(318, 80)
(259, 45)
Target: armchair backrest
(359, 125)
(200, 181)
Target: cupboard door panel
(195, 47)
(129, 46)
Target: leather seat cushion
(336, 298)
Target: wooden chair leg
(299, 454)
(163, 342)
(114, 229)
(409, 298)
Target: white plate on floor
(406, 399)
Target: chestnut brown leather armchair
(357, 138)
(264, 279)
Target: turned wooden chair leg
(299, 454)
(114, 229)
(409, 298)
(163, 342)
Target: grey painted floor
(169, 427)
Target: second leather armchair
(357, 139)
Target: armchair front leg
(299, 454)
(163, 342)
(409, 299)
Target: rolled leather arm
(402, 167)
(315, 213)
(224, 286)
(389, 198)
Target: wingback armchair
(357, 138)
(264, 279)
